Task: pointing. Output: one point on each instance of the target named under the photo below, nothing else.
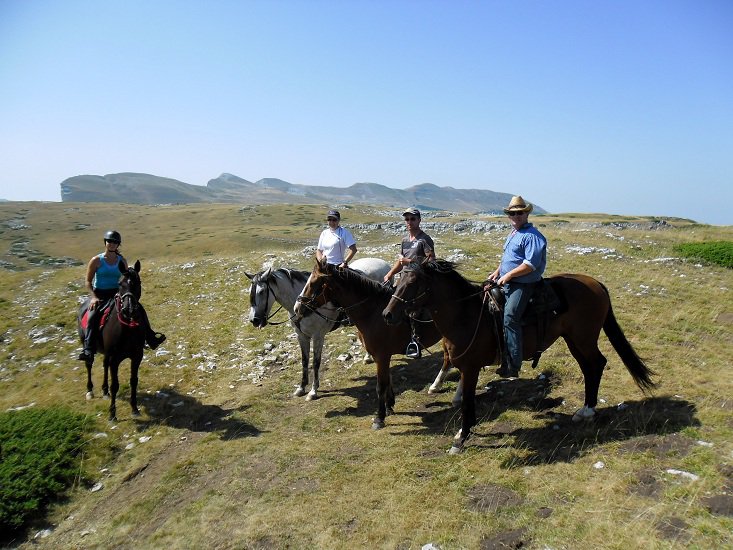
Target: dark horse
(363, 300)
(471, 336)
(123, 337)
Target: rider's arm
(91, 271)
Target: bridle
(312, 302)
(267, 302)
(423, 293)
(128, 306)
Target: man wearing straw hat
(522, 265)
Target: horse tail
(636, 367)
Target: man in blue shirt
(522, 265)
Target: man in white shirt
(336, 243)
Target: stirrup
(413, 350)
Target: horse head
(129, 292)
(315, 293)
(260, 294)
(411, 293)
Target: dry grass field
(224, 457)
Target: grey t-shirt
(417, 249)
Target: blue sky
(622, 107)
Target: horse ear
(250, 277)
(137, 266)
(266, 274)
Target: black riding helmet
(113, 237)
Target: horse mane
(294, 275)
(445, 268)
(360, 282)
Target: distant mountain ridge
(137, 188)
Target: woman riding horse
(102, 279)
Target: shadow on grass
(557, 439)
(407, 375)
(173, 409)
(562, 440)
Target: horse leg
(113, 367)
(384, 387)
(90, 386)
(367, 356)
(317, 351)
(105, 380)
(469, 377)
(304, 359)
(592, 362)
(134, 368)
(442, 375)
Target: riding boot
(89, 337)
(152, 339)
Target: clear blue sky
(623, 107)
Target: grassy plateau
(224, 456)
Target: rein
(478, 325)
(132, 323)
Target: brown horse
(471, 336)
(363, 300)
(123, 337)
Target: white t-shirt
(334, 244)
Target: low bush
(40, 450)
(713, 252)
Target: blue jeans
(517, 298)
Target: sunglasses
(331, 220)
(411, 219)
(113, 242)
(514, 213)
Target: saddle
(105, 310)
(543, 306)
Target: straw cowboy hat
(518, 204)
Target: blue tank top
(107, 276)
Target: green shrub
(713, 252)
(40, 450)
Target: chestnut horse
(471, 336)
(363, 300)
(123, 337)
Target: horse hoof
(90, 396)
(456, 403)
(433, 389)
(585, 414)
(455, 450)
(368, 360)
(135, 413)
(377, 424)
(300, 392)
(311, 396)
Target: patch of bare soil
(516, 538)
(647, 485)
(725, 318)
(661, 446)
(674, 529)
(492, 498)
(720, 505)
